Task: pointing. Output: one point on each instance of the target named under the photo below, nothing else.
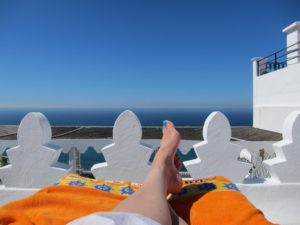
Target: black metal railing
(278, 60)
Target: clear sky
(154, 53)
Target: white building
(276, 83)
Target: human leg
(163, 177)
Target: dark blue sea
(148, 117)
(106, 117)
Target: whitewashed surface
(278, 196)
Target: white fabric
(113, 218)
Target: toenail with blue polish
(165, 123)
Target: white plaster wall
(12, 194)
(293, 36)
(279, 203)
(275, 95)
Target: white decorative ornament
(216, 155)
(33, 163)
(126, 158)
(245, 155)
(285, 166)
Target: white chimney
(293, 37)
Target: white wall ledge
(294, 26)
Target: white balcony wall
(275, 95)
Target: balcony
(34, 146)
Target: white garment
(113, 218)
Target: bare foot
(177, 162)
(166, 158)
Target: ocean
(148, 117)
(107, 117)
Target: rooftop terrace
(277, 196)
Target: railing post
(255, 76)
(292, 37)
(275, 61)
(74, 159)
(255, 66)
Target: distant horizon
(125, 108)
(133, 106)
(107, 117)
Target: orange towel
(211, 202)
(58, 205)
(215, 206)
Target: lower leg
(150, 199)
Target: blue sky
(136, 54)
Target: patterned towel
(214, 201)
(114, 187)
(190, 187)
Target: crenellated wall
(33, 161)
(216, 154)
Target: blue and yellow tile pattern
(190, 187)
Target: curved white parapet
(126, 158)
(285, 167)
(216, 155)
(33, 163)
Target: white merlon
(126, 159)
(217, 150)
(34, 148)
